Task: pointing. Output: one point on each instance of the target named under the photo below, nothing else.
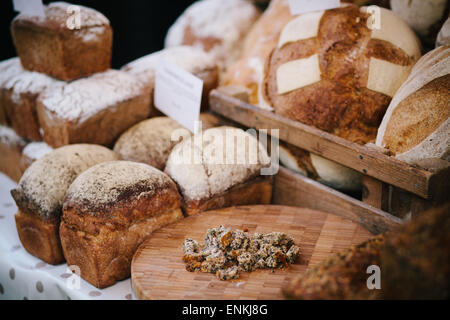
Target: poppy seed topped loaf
(57, 46)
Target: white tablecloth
(23, 276)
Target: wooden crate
(389, 185)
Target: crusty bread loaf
(109, 210)
(425, 17)
(443, 38)
(56, 46)
(97, 109)
(8, 68)
(220, 168)
(330, 70)
(248, 71)
(32, 152)
(216, 26)
(417, 124)
(40, 194)
(19, 98)
(11, 146)
(193, 60)
(150, 141)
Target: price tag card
(178, 94)
(29, 7)
(304, 6)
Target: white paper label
(29, 7)
(178, 94)
(304, 6)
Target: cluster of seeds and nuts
(226, 252)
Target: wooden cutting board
(158, 272)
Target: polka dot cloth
(24, 277)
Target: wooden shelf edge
(363, 159)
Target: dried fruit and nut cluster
(226, 252)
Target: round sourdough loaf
(332, 71)
(417, 124)
(216, 26)
(150, 141)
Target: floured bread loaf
(19, 98)
(331, 71)
(417, 124)
(97, 109)
(193, 60)
(8, 69)
(109, 210)
(56, 45)
(220, 168)
(11, 146)
(32, 152)
(443, 38)
(40, 194)
(425, 17)
(248, 71)
(150, 141)
(216, 26)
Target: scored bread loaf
(109, 210)
(8, 68)
(248, 71)
(417, 124)
(96, 110)
(220, 168)
(11, 146)
(40, 193)
(193, 60)
(331, 71)
(216, 26)
(57, 46)
(32, 152)
(150, 141)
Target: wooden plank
(364, 159)
(293, 189)
(375, 193)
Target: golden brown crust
(40, 238)
(302, 158)
(255, 191)
(105, 257)
(11, 153)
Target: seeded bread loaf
(417, 124)
(193, 60)
(150, 141)
(218, 27)
(11, 146)
(33, 152)
(109, 210)
(331, 71)
(57, 46)
(40, 194)
(220, 168)
(97, 109)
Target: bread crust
(40, 238)
(11, 147)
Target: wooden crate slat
(295, 190)
(361, 158)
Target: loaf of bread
(218, 27)
(33, 152)
(69, 43)
(11, 146)
(40, 194)
(96, 110)
(331, 71)
(220, 168)
(8, 68)
(19, 98)
(248, 71)
(417, 124)
(150, 141)
(109, 210)
(425, 17)
(193, 60)
(443, 38)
